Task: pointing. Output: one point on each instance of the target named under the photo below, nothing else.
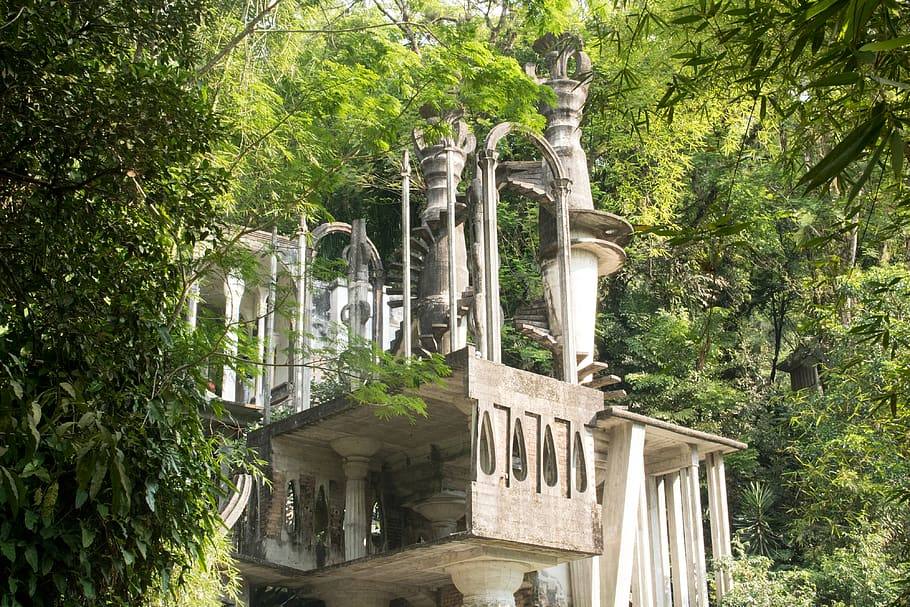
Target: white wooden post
(696, 527)
(676, 529)
(720, 521)
(643, 582)
(622, 492)
(660, 549)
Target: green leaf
(12, 489)
(68, 388)
(820, 7)
(8, 549)
(81, 497)
(120, 486)
(128, 557)
(886, 45)
(687, 19)
(845, 152)
(88, 536)
(835, 80)
(31, 555)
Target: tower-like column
(233, 293)
(356, 452)
(437, 160)
(488, 582)
(359, 288)
(596, 237)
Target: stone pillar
(356, 452)
(585, 579)
(433, 285)
(596, 237)
(233, 293)
(488, 582)
(192, 305)
(262, 306)
(301, 379)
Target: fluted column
(585, 579)
(488, 582)
(356, 452)
(233, 293)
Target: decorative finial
(558, 54)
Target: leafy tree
(108, 482)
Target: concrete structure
(516, 489)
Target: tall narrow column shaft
(355, 507)
(262, 306)
(270, 330)
(491, 257)
(450, 250)
(233, 292)
(301, 385)
(356, 452)
(720, 522)
(585, 580)
(192, 305)
(625, 475)
(406, 253)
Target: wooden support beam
(720, 522)
(660, 549)
(643, 580)
(622, 492)
(697, 526)
(676, 531)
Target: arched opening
(549, 465)
(291, 510)
(486, 447)
(519, 453)
(377, 526)
(580, 464)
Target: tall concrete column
(356, 452)
(585, 579)
(262, 308)
(233, 293)
(442, 164)
(488, 582)
(192, 305)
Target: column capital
(488, 582)
(356, 446)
